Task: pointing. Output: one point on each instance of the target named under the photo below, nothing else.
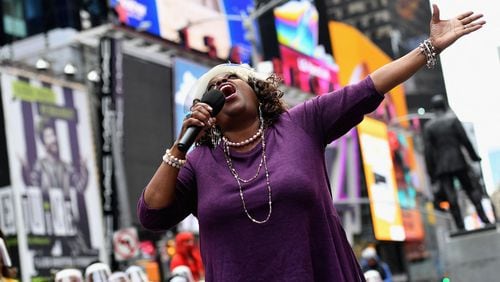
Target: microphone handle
(188, 138)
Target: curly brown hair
(272, 106)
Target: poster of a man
(62, 186)
(53, 171)
(50, 170)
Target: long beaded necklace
(263, 161)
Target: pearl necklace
(236, 176)
(244, 142)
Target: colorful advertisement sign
(199, 19)
(53, 172)
(357, 57)
(139, 14)
(307, 73)
(343, 165)
(297, 26)
(235, 11)
(380, 180)
(204, 22)
(403, 159)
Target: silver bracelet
(173, 161)
(429, 52)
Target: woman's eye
(232, 76)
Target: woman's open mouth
(228, 90)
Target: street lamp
(69, 69)
(42, 64)
(93, 76)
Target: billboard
(139, 14)
(356, 57)
(53, 173)
(343, 165)
(307, 73)
(235, 12)
(204, 23)
(380, 180)
(208, 22)
(147, 112)
(297, 26)
(406, 175)
(186, 73)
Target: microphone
(215, 99)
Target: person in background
(69, 275)
(181, 273)
(186, 253)
(444, 138)
(136, 274)
(118, 276)
(257, 179)
(97, 272)
(370, 261)
(373, 276)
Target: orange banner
(357, 57)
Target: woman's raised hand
(444, 32)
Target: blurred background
(96, 90)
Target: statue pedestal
(473, 255)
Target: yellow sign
(380, 180)
(29, 93)
(357, 57)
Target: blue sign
(235, 12)
(139, 14)
(186, 73)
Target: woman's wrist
(174, 150)
(429, 51)
(174, 157)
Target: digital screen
(297, 26)
(307, 73)
(139, 14)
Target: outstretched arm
(443, 33)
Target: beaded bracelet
(173, 161)
(429, 51)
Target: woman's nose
(220, 81)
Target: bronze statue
(444, 138)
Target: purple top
(304, 239)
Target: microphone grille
(215, 99)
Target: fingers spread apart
(470, 21)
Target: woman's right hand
(200, 116)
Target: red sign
(125, 244)
(307, 73)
